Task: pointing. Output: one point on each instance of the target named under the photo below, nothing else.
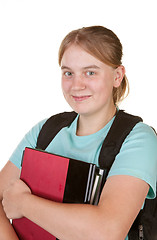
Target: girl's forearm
(6, 230)
(65, 221)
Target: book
(59, 179)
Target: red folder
(59, 179)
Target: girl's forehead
(75, 55)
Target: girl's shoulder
(143, 132)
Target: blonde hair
(104, 45)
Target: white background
(30, 35)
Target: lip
(81, 98)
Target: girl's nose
(78, 83)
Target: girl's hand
(13, 199)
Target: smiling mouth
(81, 98)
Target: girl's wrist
(25, 202)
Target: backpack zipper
(141, 235)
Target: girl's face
(87, 83)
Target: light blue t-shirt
(137, 157)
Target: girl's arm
(9, 173)
(120, 202)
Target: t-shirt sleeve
(29, 140)
(138, 157)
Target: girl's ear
(119, 74)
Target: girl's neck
(93, 123)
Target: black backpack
(145, 225)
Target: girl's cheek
(66, 85)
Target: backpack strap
(52, 126)
(121, 127)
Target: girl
(93, 83)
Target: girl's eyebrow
(92, 67)
(87, 67)
(65, 67)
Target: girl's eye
(68, 74)
(90, 73)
